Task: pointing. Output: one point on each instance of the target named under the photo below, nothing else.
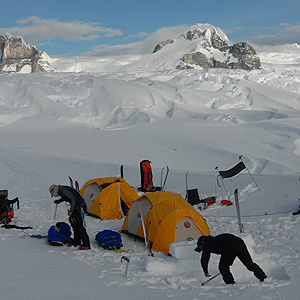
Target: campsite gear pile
(6, 207)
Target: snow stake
(127, 260)
(210, 279)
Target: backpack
(146, 175)
(109, 239)
(6, 206)
(59, 234)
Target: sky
(110, 27)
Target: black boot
(259, 274)
(228, 278)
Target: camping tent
(108, 198)
(167, 218)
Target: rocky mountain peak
(212, 50)
(16, 56)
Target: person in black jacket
(71, 196)
(229, 247)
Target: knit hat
(54, 190)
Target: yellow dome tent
(108, 198)
(167, 218)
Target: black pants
(80, 235)
(236, 248)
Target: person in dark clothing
(6, 207)
(229, 247)
(71, 196)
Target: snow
(96, 114)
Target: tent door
(186, 230)
(90, 194)
(134, 216)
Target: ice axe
(210, 279)
(55, 211)
(127, 260)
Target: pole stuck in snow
(127, 260)
(237, 204)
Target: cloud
(35, 29)
(283, 34)
(143, 47)
(138, 35)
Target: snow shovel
(127, 260)
(210, 279)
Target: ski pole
(126, 259)
(55, 211)
(210, 279)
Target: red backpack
(146, 175)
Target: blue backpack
(109, 239)
(59, 234)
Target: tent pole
(120, 203)
(240, 158)
(143, 225)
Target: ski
(77, 186)
(122, 171)
(71, 182)
(186, 186)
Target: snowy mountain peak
(208, 47)
(215, 37)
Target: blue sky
(104, 27)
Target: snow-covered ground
(96, 114)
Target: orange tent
(167, 218)
(108, 198)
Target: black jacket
(70, 195)
(220, 244)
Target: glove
(56, 201)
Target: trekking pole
(55, 211)
(203, 283)
(126, 259)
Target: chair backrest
(192, 196)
